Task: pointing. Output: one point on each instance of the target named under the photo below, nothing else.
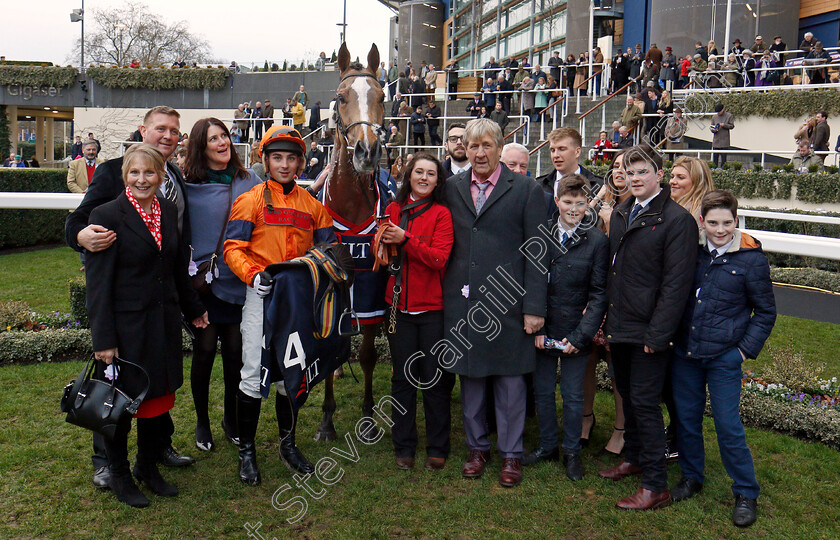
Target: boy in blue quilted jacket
(729, 318)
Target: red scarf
(152, 222)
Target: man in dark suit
(822, 134)
(474, 107)
(564, 146)
(456, 150)
(161, 128)
(492, 216)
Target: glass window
(553, 27)
(489, 29)
(489, 4)
(517, 42)
(518, 13)
(485, 53)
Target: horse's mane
(356, 66)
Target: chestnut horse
(351, 196)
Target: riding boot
(247, 418)
(286, 423)
(149, 447)
(120, 481)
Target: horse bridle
(339, 122)
(343, 129)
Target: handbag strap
(224, 226)
(407, 215)
(132, 408)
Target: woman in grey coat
(528, 95)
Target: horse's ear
(343, 58)
(373, 59)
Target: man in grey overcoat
(494, 296)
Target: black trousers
(419, 139)
(164, 429)
(434, 136)
(417, 334)
(640, 378)
(149, 446)
(718, 157)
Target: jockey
(273, 222)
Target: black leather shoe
(171, 458)
(203, 438)
(149, 474)
(574, 466)
(685, 489)
(101, 477)
(126, 490)
(291, 455)
(233, 438)
(744, 513)
(541, 454)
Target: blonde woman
(256, 161)
(691, 178)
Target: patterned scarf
(152, 222)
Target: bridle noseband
(339, 122)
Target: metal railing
(763, 154)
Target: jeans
(640, 377)
(723, 376)
(572, 373)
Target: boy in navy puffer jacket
(728, 320)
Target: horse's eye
(339, 98)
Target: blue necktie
(635, 212)
(563, 238)
(481, 198)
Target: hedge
(790, 103)
(44, 346)
(160, 78)
(19, 228)
(27, 150)
(59, 77)
(808, 277)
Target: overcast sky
(242, 30)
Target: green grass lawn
(46, 492)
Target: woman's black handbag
(99, 405)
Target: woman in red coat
(422, 228)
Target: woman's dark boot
(247, 417)
(121, 482)
(148, 448)
(286, 423)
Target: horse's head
(359, 109)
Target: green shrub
(776, 168)
(44, 346)
(737, 165)
(795, 419)
(789, 367)
(160, 79)
(832, 169)
(774, 104)
(757, 167)
(788, 167)
(13, 315)
(78, 309)
(19, 228)
(808, 277)
(59, 77)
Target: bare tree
(132, 31)
(551, 20)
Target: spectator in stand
(816, 57)
(298, 114)
(505, 91)
(654, 54)
(776, 48)
(10, 160)
(697, 69)
(321, 61)
(739, 51)
(396, 103)
(256, 113)
(540, 96)
(806, 130)
(418, 88)
(570, 71)
(758, 46)
(581, 74)
(268, 114)
(598, 68)
(807, 44)
(403, 85)
(135, 63)
(393, 76)
(382, 75)
(554, 64)
(515, 156)
(423, 69)
(713, 77)
(238, 116)
(624, 139)
(489, 92)
(685, 71)
(822, 134)
(616, 135)
(722, 123)
(650, 73)
(136, 136)
(395, 142)
(631, 114)
(748, 68)
(499, 116)
(805, 158)
(711, 48)
(620, 71)
(600, 145)
(432, 121)
(668, 73)
(527, 88)
(408, 69)
(701, 50)
(768, 75)
(538, 72)
(316, 153)
(179, 63)
(635, 64)
(180, 157)
(431, 80)
(730, 71)
(492, 68)
(15, 161)
(315, 116)
(301, 96)
(650, 122)
(474, 106)
(75, 151)
(80, 172)
(675, 129)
